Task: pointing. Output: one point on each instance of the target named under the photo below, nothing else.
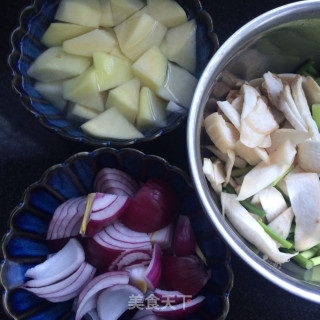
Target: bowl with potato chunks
(253, 143)
(78, 248)
(107, 72)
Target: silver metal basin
(278, 41)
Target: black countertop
(27, 150)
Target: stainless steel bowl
(279, 41)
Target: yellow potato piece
(111, 124)
(151, 68)
(88, 43)
(82, 12)
(152, 110)
(55, 64)
(126, 99)
(58, 32)
(168, 12)
(111, 71)
(179, 45)
(138, 34)
(84, 90)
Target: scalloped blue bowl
(25, 246)
(26, 47)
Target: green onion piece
(316, 114)
(283, 242)
(308, 69)
(309, 253)
(240, 171)
(246, 204)
(282, 176)
(315, 260)
(300, 260)
(230, 189)
(253, 209)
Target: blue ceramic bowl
(25, 246)
(26, 47)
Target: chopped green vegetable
(246, 204)
(240, 171)
(283, 242)
(309, 253)
(308, 69)
(282, 176)
(316, 114)
(315, 261)
(253, 209)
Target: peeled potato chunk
(179, 45)
(138, 34)
(111, 71)
(55, 64)
(168, 12)
(106, 19)
(111, 124)
(84, 90)
(58, 32)
(151, 68)
(152, 110)
(97, 40)
(78, 112)
(179, 86)
(122, 9)
(82, 12)
(52, 91)
(126, 99)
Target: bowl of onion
(110, 73)
(253, 145)
(117, 234)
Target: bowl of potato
(108, 72)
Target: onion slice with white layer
(65, 219)
(102, 209)
(67, 288)
(58, 266)
(147, 275)
(114, 301)
(88, 297)
(111, 180)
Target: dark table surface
(27, 150)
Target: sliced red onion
(129, 258)
(175, 296)
(102, 250)
(65, 217)
(105, 208)
(117, 181)
(119, 232)
(163, 237)
(187, 275)
(114, 301)
(88, 297)
(184, 241)
(154, 206)
(58, 266)
(180, 310)
(67, 288)
(147, 276)
(153, 272)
